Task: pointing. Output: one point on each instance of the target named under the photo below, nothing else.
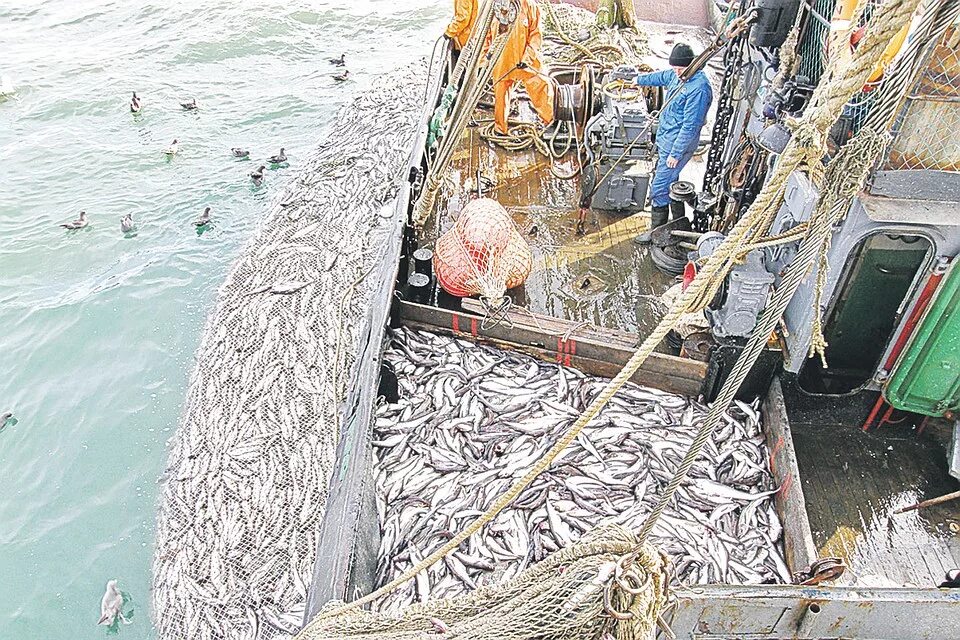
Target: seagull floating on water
(111, 604)
(342, 77)
(135, 104)
(191, 105)
(342, 60)
(280, 158)
(173, 149)
(257, 176)
(126, 223)
(204, 218)
(79, 223)
(240, 153)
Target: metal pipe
(931, 502)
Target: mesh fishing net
(572, 35)
(605, 585)
(483, 253)
(248, 471)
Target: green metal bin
(926, 379)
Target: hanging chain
(732, 74)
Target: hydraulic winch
(617, 141)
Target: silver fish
(445, 444)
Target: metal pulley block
(505, 11)
(822, 570)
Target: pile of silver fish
(472, 419)
(247, 477)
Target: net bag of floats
(605, 586)
(483, 254)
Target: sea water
(98, 330)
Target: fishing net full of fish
(606, 585)
(247, 476)
(562, 560)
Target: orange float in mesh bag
(483, 254)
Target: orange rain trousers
(464, 17)
(523, 45)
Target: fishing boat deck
(853, 486)
(602, 277)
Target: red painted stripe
(922, 301)
(565, 351)
(773, 454)
(473, 327)
(787, 484)
(777, 447)
(455, 323)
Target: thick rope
(469, 97)
(804, 150)
(470, 54)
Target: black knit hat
(681, 56)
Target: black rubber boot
(658, 216)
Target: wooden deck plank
(798, 538)
(591, 349)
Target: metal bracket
(819, 571)
(505, 11)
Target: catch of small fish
(247, 477)
(471, 420)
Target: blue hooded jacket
(678, 131)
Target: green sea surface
(98, 330)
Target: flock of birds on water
(113, 600)
(203, 221)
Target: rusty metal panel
(788, 612)
(941, 79)
(798, 544)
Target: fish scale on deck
(471, 420)
(248, 470)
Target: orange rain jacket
(524, 44)
(464, 16)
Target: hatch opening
(880, 271)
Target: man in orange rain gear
(520, 62)
(464, 15)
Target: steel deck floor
(854, 481)
(602, 277)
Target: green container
(926, 379)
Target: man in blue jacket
(678, 131)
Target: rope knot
(636, 591)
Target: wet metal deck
(603, 277)
(854, 481)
